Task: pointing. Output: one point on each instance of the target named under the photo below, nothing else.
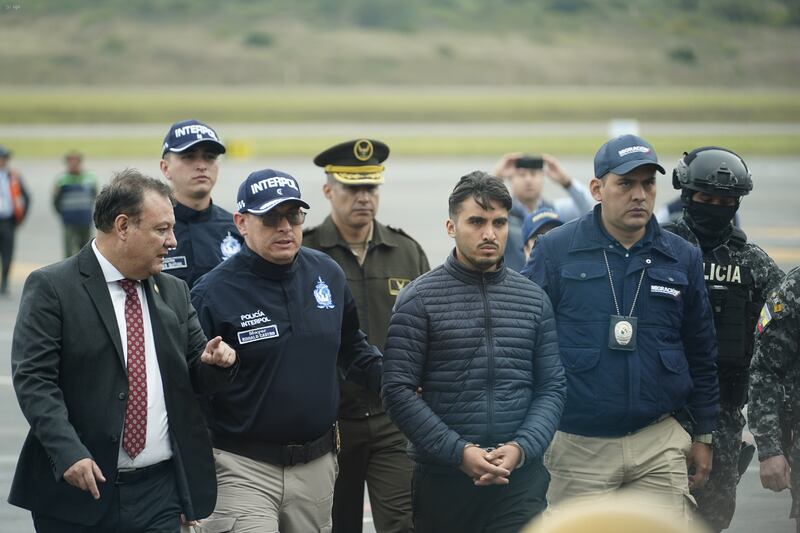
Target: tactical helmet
(713, 170)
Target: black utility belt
(277, 454)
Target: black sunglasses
(273, 218)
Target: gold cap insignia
(362, 149)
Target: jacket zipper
(490, 363)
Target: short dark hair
(483, 188)
(125, 196)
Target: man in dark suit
(107, 384)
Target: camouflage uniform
(716, 501)
(774, 410)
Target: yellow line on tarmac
(784, 254)
(21, 270)
(783, 232)
(781, 254)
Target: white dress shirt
(157, 446)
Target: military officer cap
(355, 162)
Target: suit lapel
(96, 286)
(162, 318)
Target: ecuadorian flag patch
(764, 318)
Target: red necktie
(135, 434)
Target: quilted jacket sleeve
(550, 388)
(403, 366)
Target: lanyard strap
(614, 293)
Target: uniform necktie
(135, 433)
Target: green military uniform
(774, 408)
(373, 449)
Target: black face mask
(711, 219)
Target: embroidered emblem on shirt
(660, 289)
(397, 284)
(229, 246)
(323, 295)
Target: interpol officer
(637, 341)
(205, 232)
(774, 408)
(290, 315)
(739, 276)
(378, 261)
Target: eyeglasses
(273, 219)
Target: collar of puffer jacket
(456, 269)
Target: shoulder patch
(764, 318)
(773, 309)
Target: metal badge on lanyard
(622, 329)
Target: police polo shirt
(291, 326)
(205, 239)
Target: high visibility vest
(17, 196)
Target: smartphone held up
(533, 162)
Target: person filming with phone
(524, 175)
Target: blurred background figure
(537, 224)
(14, 203)
(524, 175)
(73, 200)
(619, 513)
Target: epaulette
(401, 232)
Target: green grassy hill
(388, 61)
(722, 43)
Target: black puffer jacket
(483, 348)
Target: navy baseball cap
(536, 220)
(622, 154)
(266, 189)
(185, 134)
(4, 152)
